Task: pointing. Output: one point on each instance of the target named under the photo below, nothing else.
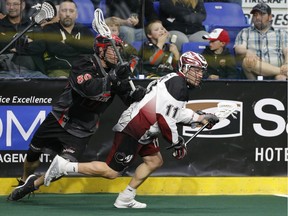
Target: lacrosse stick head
(99, 25)
(225, 109)
(45, 13)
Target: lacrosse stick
(224, 110)
(45, 13)
(101, 27)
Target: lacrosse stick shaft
(121, 61)
(197, 132)
(101, 27)
(194, 135)
(116, 51)
(16, 37)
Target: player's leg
(61, 166)
(152, 160)
(50, 135)
(144, 170)
(98, 168)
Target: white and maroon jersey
(159, 111)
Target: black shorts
(51, 138)
(125, 149)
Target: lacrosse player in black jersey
(136, 132)
(66, 131)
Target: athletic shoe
(22, 190)
(123, 201)
(56, 170)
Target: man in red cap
(262, 48)
(221, 63)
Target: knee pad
(32, 156)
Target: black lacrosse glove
(208, 117)
(121, 86)
(180, 150)
(138, 93)
(212, 119)
(120, 72)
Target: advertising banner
(252, 142)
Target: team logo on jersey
(121, 158)
(229, 127)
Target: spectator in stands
(128, 49)
(128, 13)
(221, 63)
(16, 61)
(262, 48)
(2, 9)
(65, 41)
(128, 53)
(184, 18)
(155, 52)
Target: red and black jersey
(88, 93)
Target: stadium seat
(224, 14)
(197, 47)
(156, 5)
(102, 6)
(229, 16)
(85, 12)
(230, 46)
(137, 44)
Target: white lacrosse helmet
(192, 59)
(190, 62)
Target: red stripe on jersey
(156, 57)
(164, 127)
(60, 121)
(106, 95)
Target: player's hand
(207, 117)
(180, 150)
(138, 93)
(120, 72)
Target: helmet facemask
(193, 75)
(102, 44)
(193, 66)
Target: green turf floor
(102, 204)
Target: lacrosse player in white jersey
(137, 130)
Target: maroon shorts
(125, 149)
